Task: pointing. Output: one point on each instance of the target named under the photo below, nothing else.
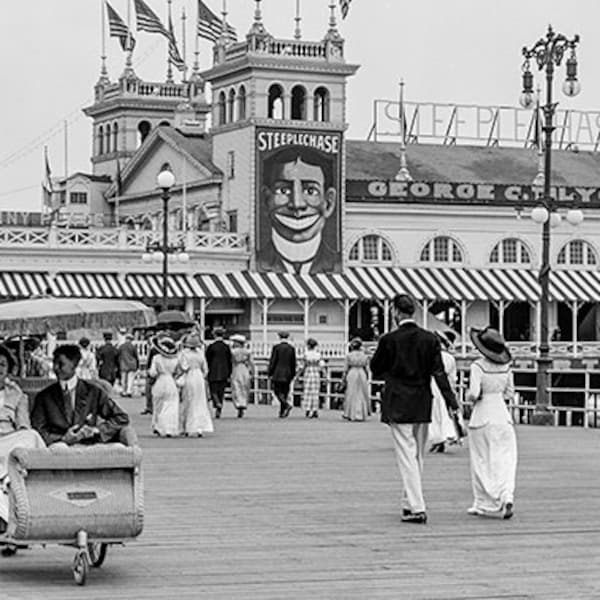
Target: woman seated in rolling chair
(15, 428)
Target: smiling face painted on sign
(297, 201)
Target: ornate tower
(124, 112)
(278, 102)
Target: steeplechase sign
(464, 193)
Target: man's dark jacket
(282, 365)
(406, 359)
(218, 359)
(52, 414)
(107, 357)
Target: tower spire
(298, 19)
(332, 21)
(403, 174)
(103, 70)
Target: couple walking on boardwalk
(407, 359)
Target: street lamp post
(548, 53)
(161, 250)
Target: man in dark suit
(107, 357)
(76, 411)
(406, 359)
(218, 358)
(282, 369)
(128, 364)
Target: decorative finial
(332, 21)
(403, 174)
(298, 19)
(257, 13)
(223, 38)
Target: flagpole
(298, 19)
(196, 67)
(66, 149)
(184, 194)
(169, 68)
(224, 23)
(184, 41)
(129, 59)
(118, 195)
(403, 173)
(103, 70)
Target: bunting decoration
(210, 26)
(117, 28)
(345, 7)
(147, 19)
(174, 55)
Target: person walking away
(128, 365)
(442, 429)
(311, 372)
(492, 439)
(356, 395)
(281, 372)
(241, 374)
(218, 358)
(165, 395)
(87, 368)
(194, 414)
(406, 359)
(107, 359)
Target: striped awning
(23, 285)
(149, 285)
(575, 285)
(377, 283)
(91, 285)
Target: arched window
(100, 140)
(577, 252)
(144, 128)
(298, 111)
(231, 106)
(222, 109)
(107, 132)
(371, 248)
(510, 251)
(115, 137)
(321, 104)
(442, 249)
(164, 124)
(242, 103)
(275, 107)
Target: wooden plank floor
(269, 509)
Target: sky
(447, 51)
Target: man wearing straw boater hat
(406, 359)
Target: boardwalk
(268, 509)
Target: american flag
(174, 55)
(118, 29)
(210, 26)
(147, 19)
(345, 7)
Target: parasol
(38, 315)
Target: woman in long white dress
(241, 378)
(442, 428)
(492, 439)
(165, 395)
(195, 416)
(87, 367)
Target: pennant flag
(147, 19)
(174, 55)
(210, 26)
(345, 7)
(47, 181)
(118, 29)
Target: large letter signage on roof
(298, 191)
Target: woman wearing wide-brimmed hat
(165, 395)
(492, 439)
(241, 378)
(194, 414)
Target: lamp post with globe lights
(156, 251)
(548, 53)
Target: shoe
(218, 412)
(473, 510)
(507, 510)
(241, 412)
(146, 412)
(307, 414)
(438, 448)
(287, 410)
(315, 415)
(419, 517)
(406, 512)
(9, 550)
